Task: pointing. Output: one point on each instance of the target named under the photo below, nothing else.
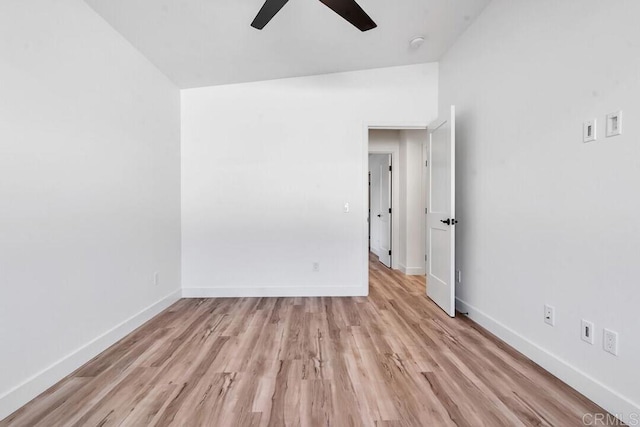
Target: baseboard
(411, 271)
(609, 399)
(40, 382)
(240, 292)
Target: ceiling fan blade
(352, 12)
(267, 12)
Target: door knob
(449, 221)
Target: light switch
(589, 131)
(614, 124)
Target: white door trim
(366, 126)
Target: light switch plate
(589, 131)
(614, 124)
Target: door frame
(395, 205)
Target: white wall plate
(589, 131)
(587, 331)
(614, 124)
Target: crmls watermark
(606, 419)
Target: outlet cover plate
(587, 331)
(549, 315)
(614, 124)
(589, 131)
(610, 342)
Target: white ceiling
(210, 42)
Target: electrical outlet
(459, 276)
(549, 315)
(155, 278)
(316, 267)
(610, 342)
(587, 331)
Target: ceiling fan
(348, 9)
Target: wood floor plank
(390, 359)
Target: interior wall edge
(610, 400)
(412, 271)
(40, 382)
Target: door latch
(449, 221)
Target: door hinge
(425, 257)
(389, 253)
(426, 211)
(389, 168)
(426, 163)
(389, 210)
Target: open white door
(441, 211)
(385, 212)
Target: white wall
(267, 168)
(413, 218)
(400, 175)
(89, 190)
(543, 217)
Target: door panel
(385, 212)
(441, 213)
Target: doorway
(401, 150)
(433, 147)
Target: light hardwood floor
(390, 359)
